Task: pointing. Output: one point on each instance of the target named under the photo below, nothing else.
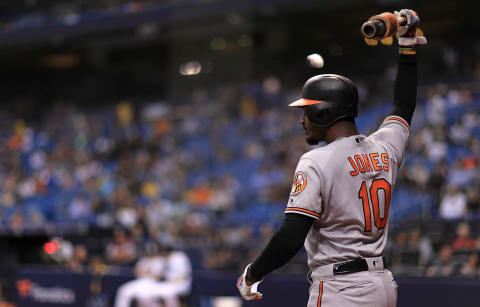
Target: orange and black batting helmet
(327, 99)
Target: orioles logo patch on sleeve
(299, 183)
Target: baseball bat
(382, 26)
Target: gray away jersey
(346, 186)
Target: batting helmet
(327, 99)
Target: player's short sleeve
(394, 133)
(305, 195)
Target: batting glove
(407, 33)
(249, 293)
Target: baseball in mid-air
(315, 60)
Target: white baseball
(315, 60)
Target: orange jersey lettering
(360, 164)
(374, 157)
(386, 164)
(368, 162)
(368, 166)
(354, 166)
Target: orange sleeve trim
(399, 119)
(320, 294)
(293, 209)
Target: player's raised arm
(406, 81)
(395, 129)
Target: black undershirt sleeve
(405, 96)
(285, 243)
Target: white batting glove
(407, 35)
(249, 293)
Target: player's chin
(311, 141)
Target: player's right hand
(249, 293)
(407, 33)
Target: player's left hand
(249, 293)
(407, 33)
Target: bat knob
(380, 26)
(373, 29)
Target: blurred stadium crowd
(211, 177)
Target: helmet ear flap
(323, 114)
(318, 114)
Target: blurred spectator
(79, 259)
(463, 241)
(418, 174)
(97, 265)
(201, 194)
(79, 208)
(126, 215)
(443, 265)
(17, 222)
(223, 195)
(437, 147)
(437, 178)
(122, 250)
(473, 202)
(453, 204)
(436, 107)
(420, 243)
(404, 253)
(399, 245)
(459, 134)
(470, 269)
(459, 175)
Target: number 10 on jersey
(373, 191)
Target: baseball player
(165, 276)
(339, 202)
(148, 270)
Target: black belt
(351, 266)
(341, 268)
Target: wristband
(407, 50)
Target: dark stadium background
(77, 63)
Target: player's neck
(340, 129)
